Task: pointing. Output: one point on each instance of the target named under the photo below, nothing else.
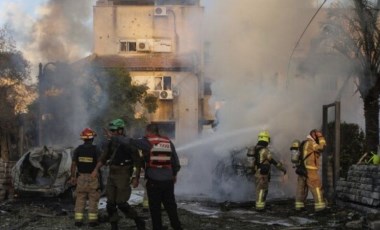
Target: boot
(140, 223)
(114, 226)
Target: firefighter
(87, 187)
(263, 160)
(311, 151)
(161, 168)
(122, 159)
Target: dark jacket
(118, 151)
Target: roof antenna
(298, 41)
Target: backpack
(300, 168)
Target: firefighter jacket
(86, 156)
(119, 152)
(146, 144)
(263, 160)
(315, 150)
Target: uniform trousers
(162, 192)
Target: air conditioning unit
(160, 11)
(143, 45)
(165, 95)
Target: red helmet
(87, 134)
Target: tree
(355, 33)
(351, 145)
(123, 98)
(15, 95)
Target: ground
(57, 213)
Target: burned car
(43, 171)
(234, 177)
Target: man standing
(122, 158)
(83, 164)
(311, 151)
(161, 168)
(263, 160)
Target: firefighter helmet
(264, 136)
(295, 145)
(87, 134)
(116, 124)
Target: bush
(351, 145)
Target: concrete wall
(182, 109)
(180, 24)
(361, 189)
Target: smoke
(250, 45)
(56, 34)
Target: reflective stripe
(310, 167)
(145, 203)
(160, 158)
(78, 216)
(299, 205)
(86, 159)
(260, 204)
(319, 204)
(319, 195)
(92, 216)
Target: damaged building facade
(160, 43)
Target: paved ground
(55, 213)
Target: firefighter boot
(114, 226)
(140, 223)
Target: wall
(361, 188)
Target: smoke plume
(250, 46)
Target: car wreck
(42, 171)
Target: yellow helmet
(295, 145)
(264, 136)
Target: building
(160, 43)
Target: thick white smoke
(250, 46)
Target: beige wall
(182, 25)
(182, 109)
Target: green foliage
(121, 98)
(352, 140)
(14, 94)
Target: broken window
(158, 83)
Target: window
(123, 46)
(131, 46)
(163, 83)
(158, 83)
(167, 83)
(127, 46)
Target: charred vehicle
(43, 171)
(234, 177)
